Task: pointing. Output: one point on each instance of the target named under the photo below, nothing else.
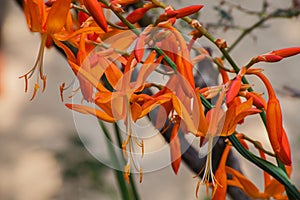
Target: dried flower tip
(221, 43)
(195, 34)
(117, 8)
(195, 23)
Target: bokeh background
(41, 155)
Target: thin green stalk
(119, 174)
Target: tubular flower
(277, 135)
(47, 21)
(235, 114)
(96, 12)
(233, 89)
(258, 100)
(224, 124)
(122, 103)
(276, 55)
(182, 55)
(183, 12)
(235, 86)
(213, 118)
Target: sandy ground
(32, 132)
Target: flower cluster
(113, 59)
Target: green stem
(119, 174)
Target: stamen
(127, 171)
(74, 92)
(61, 89)
(141, 175)
(130, 140)
(36, 87)
(44, 83)
(38, 63)
(143, 148)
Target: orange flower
(235, 114)
(171, 13)
(277, 55)
(239, 180)
(234, 89)
(95, 9)
(182, 56)
(287, 52)
(47, 21)
(136, 15)
(258, 100)
(277, 135)
(235, 86)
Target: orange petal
(113, 74)
(203, 126)
(274, 188)
(139, 47)
(88, 110)
(274, 124)
(244, 184)
(221, 176)
(267, 58)
(287, 52)
(151, 104)
(135, 16)
(96, 11)
(285, 151)
(35, 14)
(234, 89)
(57, 16)
(136, 110)
(258, 100)
(187, 10)
(183, 113)
(175, 148)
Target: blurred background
(42, 156)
